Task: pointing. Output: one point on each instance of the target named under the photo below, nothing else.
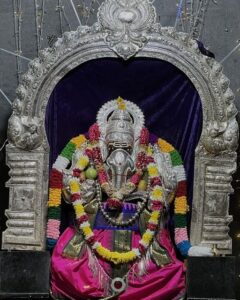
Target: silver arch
(124, 29)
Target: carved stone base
(24, 274)
(211, 278)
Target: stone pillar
(210, 217)
(28, 190)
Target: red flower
(142, 249)
(75, 197)
(144, 136)
(76, 172)
(97, 154)
(102, 176)
(155, 181)
(55, 180)
(94, 132)
(89, 153)
(141, 160)
(114, 204)
(91, 240)
(152, 227)
(156, 205)
(83, 218)
(135, 179)
(149, 159)
(181, 189)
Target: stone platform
(24, 274)
(211, 278)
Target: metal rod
(41, 23)
(75, 11)
(90, 9)
(179, 13)
(5, 96)
(37, 26)
(17, 28)
(205, 9)
(230, 53)
(3, 145)
(66, 18)
(15, 54)
(59, 9)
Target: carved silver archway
(125, 28)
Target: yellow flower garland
(165, 146)
(152, 170)
(112, 256)
(79, 140)
(156, 193)
(74, 186)
(147, 237)
(54, 197)
(79, 209)
(181, 205)
(82, 162)
(116, 257)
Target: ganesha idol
(122, 187)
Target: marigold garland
(82, 163)
(144, 160)
(180, 203)
(55, 187)
(180, 206)
(112, 256)
(79, 140)
(156, 195)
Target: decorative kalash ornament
(121, 183)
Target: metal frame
(125, 28)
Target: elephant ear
(104, 149)
(167, 174)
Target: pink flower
(155, 181)
(94, 132)
(156, 205)
(89, 153)
(102, 176)
(135, 179)
(141, 160)
(144, 136)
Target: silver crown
(132, 117)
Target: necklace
(113, 256)
(156, 206)
(145, 161)
(121, 223)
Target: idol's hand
(200, 251)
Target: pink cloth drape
(73, 279)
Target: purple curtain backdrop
(170, 102)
